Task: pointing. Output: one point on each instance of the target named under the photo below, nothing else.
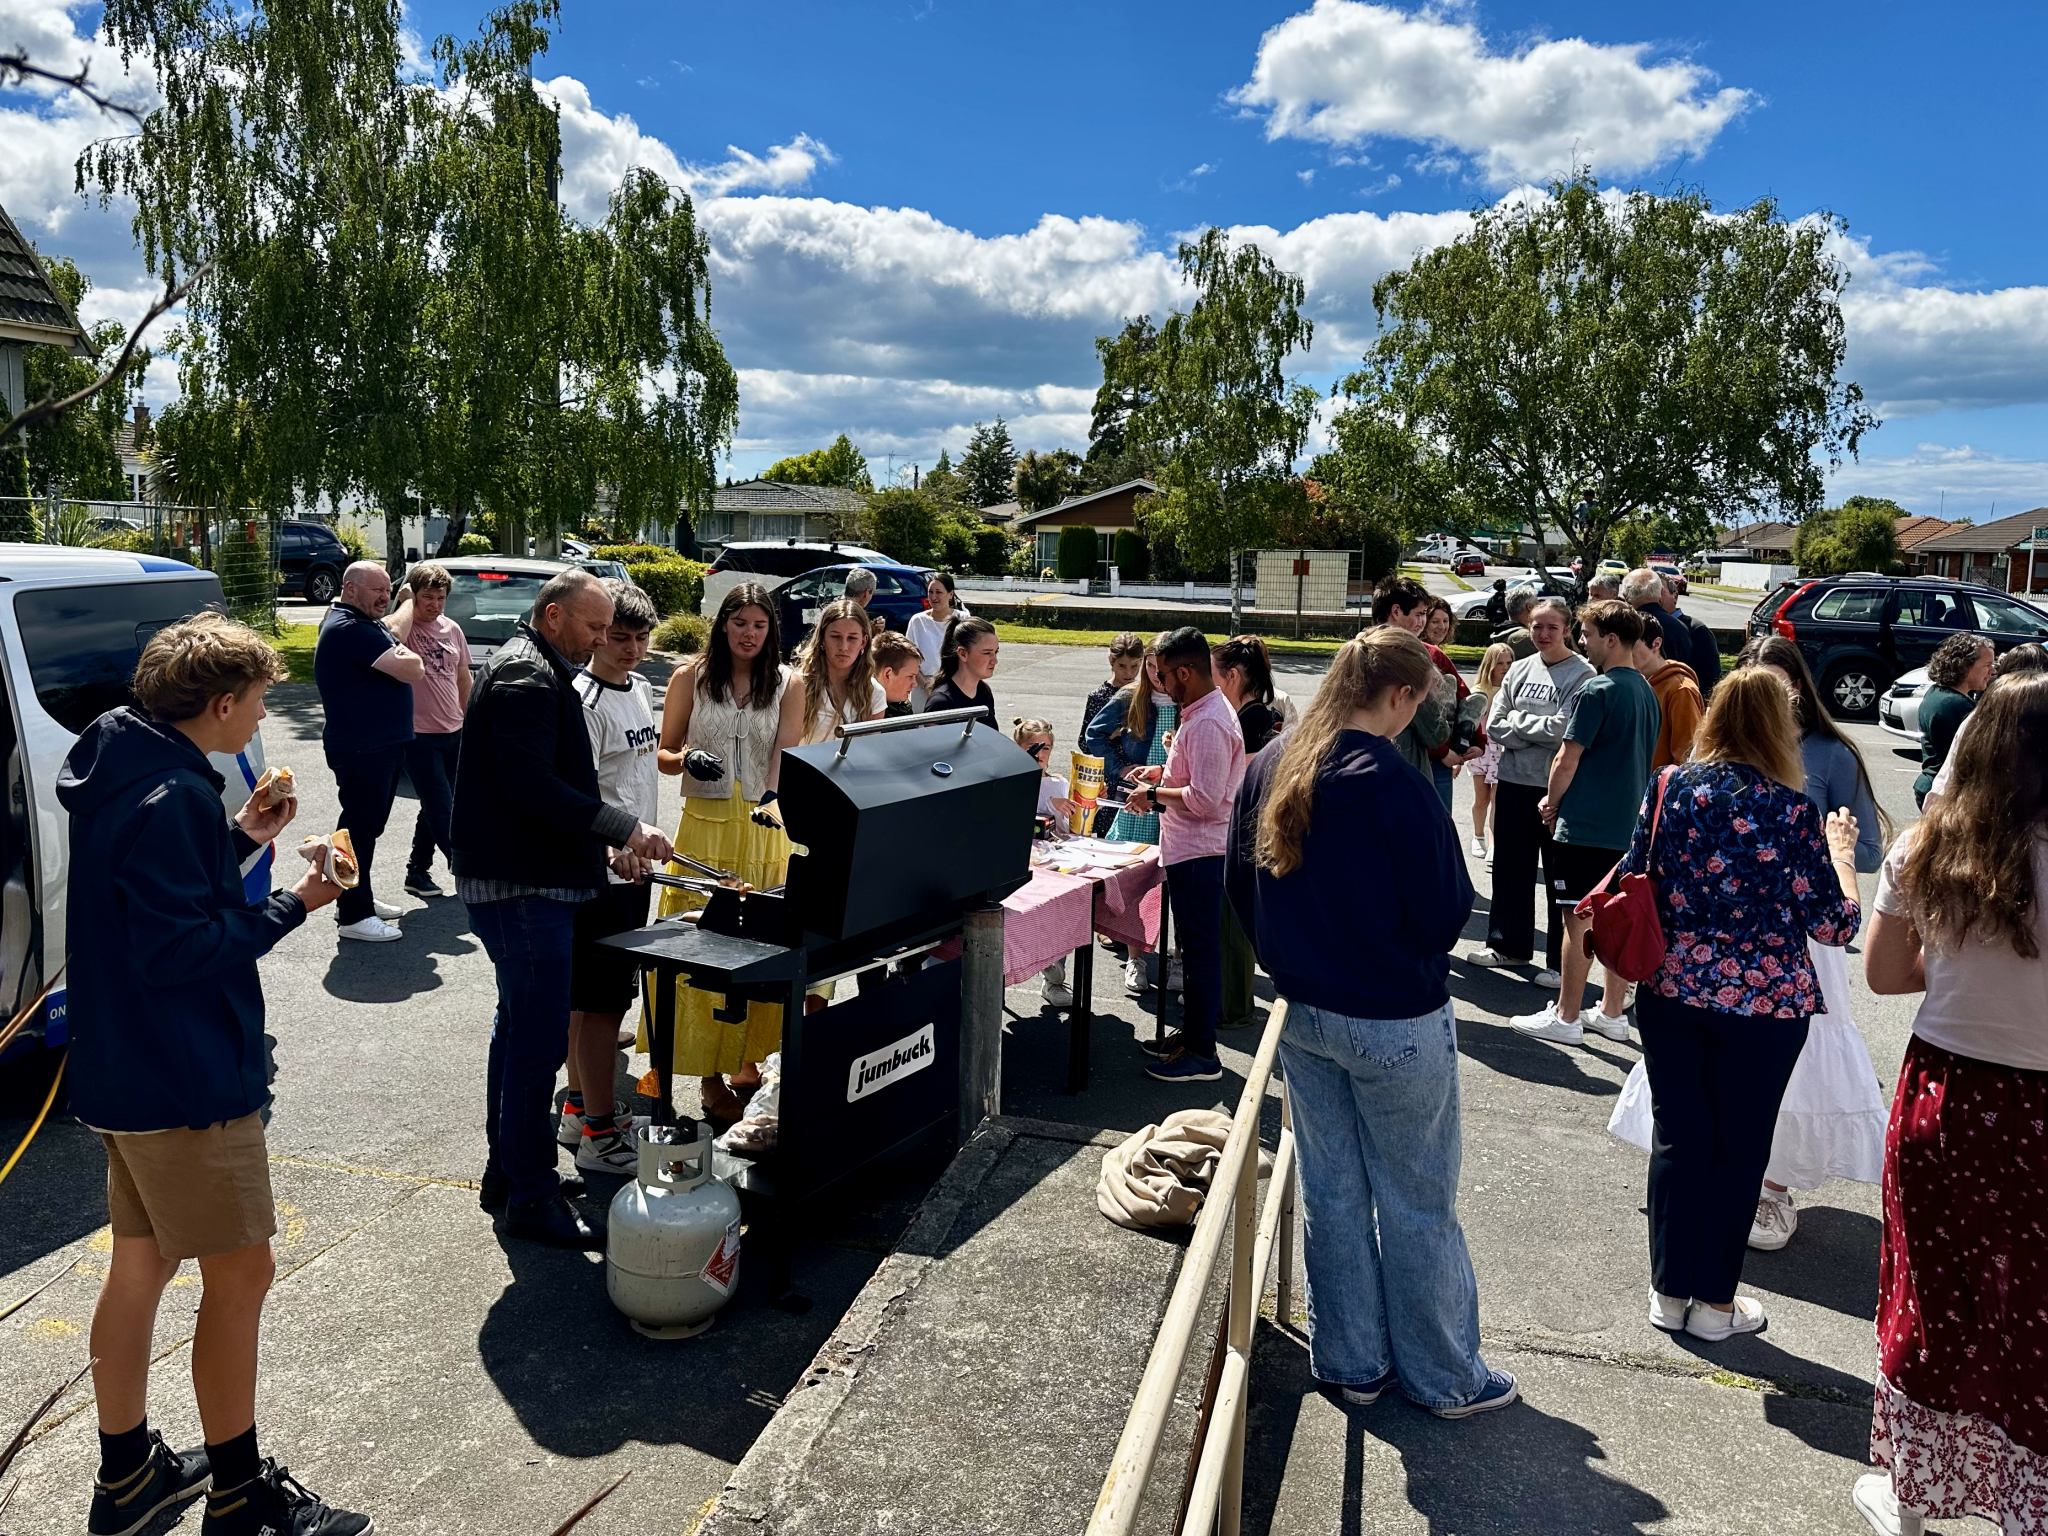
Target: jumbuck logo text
(868, 1074)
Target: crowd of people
(1316, 843)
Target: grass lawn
(295, 643)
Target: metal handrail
(1218, 1485)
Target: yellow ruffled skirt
(722, 833)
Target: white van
(72, 626)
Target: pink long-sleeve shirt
(1207, 760)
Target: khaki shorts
(197, 1193)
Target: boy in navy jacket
(167, 1064)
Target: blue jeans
(1443, 779)
(1376, 1132)
(1195, 887)
(530, 941)
(430, 762)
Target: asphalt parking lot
(418, 1364)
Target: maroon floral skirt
(1961, 1411)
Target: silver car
(1899, 710)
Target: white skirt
(1831, 1122)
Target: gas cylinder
(673, 1254)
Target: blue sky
(922, 211)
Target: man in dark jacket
(531, 836)
(167, 1064)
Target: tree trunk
(1236, 590)
(458, 525)
(394, 539)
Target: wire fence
(239, 546)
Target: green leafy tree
(840, 464)
(945, 482)
(1044, 480)
(73, 453)
(1126, 388)
(989, 464)
(902, 523)
(1860, 535)
(1223, 421)
(1575, 362)
(1133, 561)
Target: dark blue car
(899, 592)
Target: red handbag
(1627, 936)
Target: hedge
(1077, 552)
(634, 554)
(675, 584)
(475, 544)
(1133, 560)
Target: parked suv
(1859, 632)
(773, 563)
(899, 593)
(310, 560)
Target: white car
(72, 626)
(1898, 711)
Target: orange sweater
(1677, 688)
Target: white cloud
(787, 412)
(1343, 73)
(1960, 481)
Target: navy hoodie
(1364, 924)
(165, 1009)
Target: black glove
(761, 816)
(767, 795)
(699, 764)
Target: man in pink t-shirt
(438, 701)
(1194, 792)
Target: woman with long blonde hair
(1347, 874)
(1958, 1418)
(1747, 870)
(837, 672)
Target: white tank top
(743, 738)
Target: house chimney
(141, 418)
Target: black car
(899, 594)
(310, 560)
(1858, 632)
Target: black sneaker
(274, 1503)
(494, 1189)
(1165, 1045)
(166, 1477)
(422, 885)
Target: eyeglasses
(1039, 749)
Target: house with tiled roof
(32, 313)
(1914, 530)
(1108, 512)
(1765, 543)
(771, 509)
(2001, 554)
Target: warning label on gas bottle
(724, 1265)
(913, 1053)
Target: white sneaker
(1878, 1502)
(1488, 956)
(387, 911)
(371, 930)
(1713, 1325)
(1478, 847)
(1173, 976)
(1057, 994)
(608, 1153)
(1775, 1222)
(1547, 978)
(1547, 1025)
(1613, 1029)
(1667, 1312)
(1134, 976)
(569, 1129)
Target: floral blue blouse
(1743, 880)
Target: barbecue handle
(964, 718)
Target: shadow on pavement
(1832, 1263)
(1536, 1061)
(1456, 1473)
(1843, 1429)
(392, 973)
(58, 1191)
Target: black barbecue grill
(903, 825)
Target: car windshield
(487, 604)
(82, 643)
(1997, 616)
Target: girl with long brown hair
(1746, 871)
(838, 674)
(1346, 871)
(1959, 1418)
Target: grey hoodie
(1529, 713)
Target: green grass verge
(295, 643)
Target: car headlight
(1904, 690)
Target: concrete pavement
(418, 1364)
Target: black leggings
(1518, 839)
(1715, 1083)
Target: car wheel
(321, 586)
(1852, 690)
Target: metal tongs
(712, 877)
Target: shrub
(475, 544)
(1133, 560)
(992, 551)
(353, 539)
(1023, 561)
(685, 634)
(634, 554)
(675, 584)
(1077, 552)
(902, 523)
(1379, 553)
